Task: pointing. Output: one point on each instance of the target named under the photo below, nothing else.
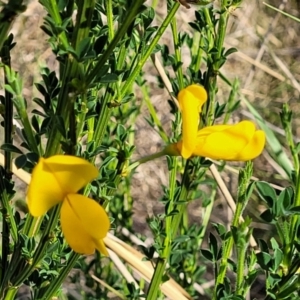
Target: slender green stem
(8, 133)
(206, 217)
(53, 10)
(119, 35)
(71, 71)
(240, 272)
(295, 218)
(244, 178)
(41, 249)
(220, 37)
(110, 20)
(8, 220)
(177, 53)
(84, 16)
(161, 264)
(199, 53)
(232, 100)
(16, 87)
(103, 119)
(156, 279)
(149, 50)
(153, 114)
(80, 118)
(172, 185)
(63, 273)
(11, 293)
(145, 159)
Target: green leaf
(267, 216)
(21, 161)
(109, 78)
(207, 254)
(213, 245)
(266, 192)
(10, 148)
(263, 259)
(182, 239)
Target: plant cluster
(76, 156)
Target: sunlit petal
(190, 100)
(54, 177)
(224, 144)
(84, 223)
(239, 142)
(254, 148)
(71, 172)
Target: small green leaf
(263, 259)
(10, 148)
(207, 254)
(266, 192)
(109, 78)
(21, 161)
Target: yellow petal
(54, 177)
(84, 223)
(254, 148)
(224, 141)
(100, 246)
(190, 100)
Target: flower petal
(84, 223)
(54, 177)
(190, 100)
(254, 148)
(100, 246)
(224, 141)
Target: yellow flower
(58, 179)
(190, 101)
(240, 142)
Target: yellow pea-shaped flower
(58, 179)
(239, 142)
(190, 101)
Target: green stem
(220, 37)
(52, 9)
(149, 50)
(71, 71)
(240, 276)
(295, 218)
(11, 293)
(156, 279)
(244, 179)
(162, 262)
(146, 159)
(63, 273)
(206, 218)
(119, 35)
(110, 20)
(172, 185)
(153, 114)
(41, 249)
(177, 53)
(80, 119)
(199, 53)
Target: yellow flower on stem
(58, 179)
(190, 101)
(239, 142)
